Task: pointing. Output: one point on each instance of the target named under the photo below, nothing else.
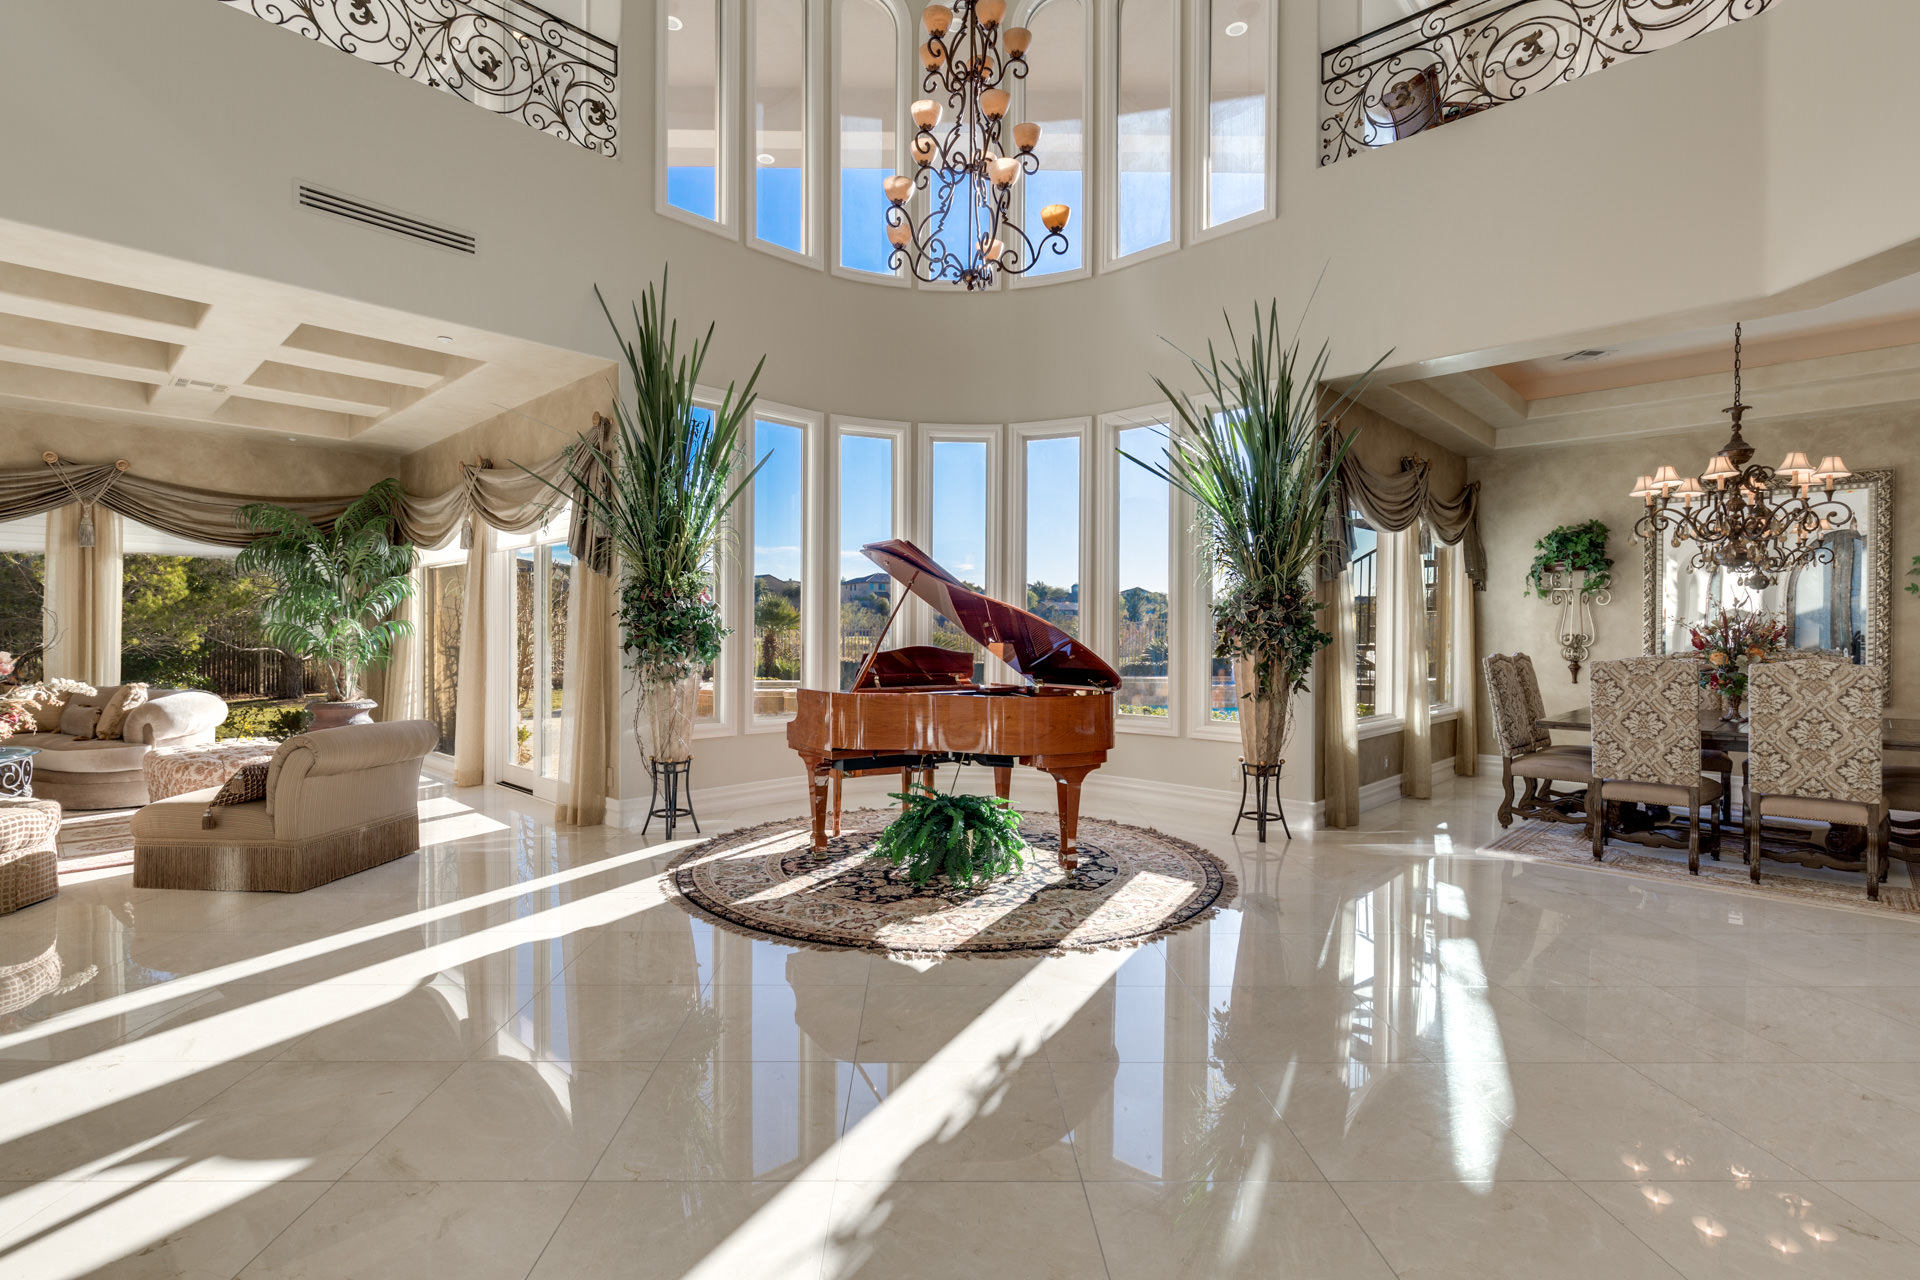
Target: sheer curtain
(470, 697)
(1465, 682)
(83, 592)
(1339, 717)
(587, 703)
(1410, 642)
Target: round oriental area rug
(1132, 885)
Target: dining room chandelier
(1756, 522)
(964, 234)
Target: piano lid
(1030, 645)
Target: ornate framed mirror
(1844, 605)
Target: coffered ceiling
(104, 332)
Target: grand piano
(915, 708)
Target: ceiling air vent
(195, 384)
(320, 200)
(1591, 353)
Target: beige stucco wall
(530, 433)
(1524, 493)
(252, 463)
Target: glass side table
(16, 771)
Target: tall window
(1238, 40)
(1365, 568)
(1143, 134)
(443, 595)
(1053, 530)
(1144, 551)
(540, 589)
(23, 591)
(960, 531)
(1056, 101)
(780, 123)
(866, 515)
(708, 706)
(779, 519)
(692, 109)
(189, 618)
(869, 108)
(1223, 691)
(1436, 569)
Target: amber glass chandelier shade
(989, 12)
(1003, 170)
(938, 18)
(926, 113)
(932, 55)
(1017, 41)
(1026, 136)
(899, 233)
(899, 188)
(1054, 217)
(994, 103)
(923, 151)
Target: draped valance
(1396, 500)
(508, 499)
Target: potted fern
(659, 490)
(1259, 454)
(339, 586)
(968, 839)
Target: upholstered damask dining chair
(1813, 753)
(1712, 759)
(1526, 750)
(1646, 747)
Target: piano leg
(819, 783)
(1003, 783)
(1066, 785)
(835, 775)
(906, 787)
(927, 777)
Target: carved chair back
(1513, 690)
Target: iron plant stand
(1263, 777)
(675, 777)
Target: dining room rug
(1133, 885)
(95, 840)
(1570, 845)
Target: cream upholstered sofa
(338, 801)
(105, 773)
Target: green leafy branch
(1580, 548)
(968, 839)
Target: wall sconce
(1567, 588)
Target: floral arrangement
(6, 665)
(1730, 641)
(16, 718)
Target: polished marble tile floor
(510, 1056)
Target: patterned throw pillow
(245, 787)
(114, 714)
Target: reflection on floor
(510, 1056)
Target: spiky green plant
(660, 488)
(338, 584)
(1259, 454)
(968, 839)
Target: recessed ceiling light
(673, 23)
(1236, 29)
(447, 338)
(764, 158)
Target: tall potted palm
(658, 489)
(339, 586)
(1259, 453)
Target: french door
(529, 626)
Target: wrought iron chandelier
(964, 235)
(1756, 522)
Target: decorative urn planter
(1263, 721)
(665, 718)
(322, 714)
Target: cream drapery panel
(1396, 503)
(1465, 670)
(1410, 640)
(83, 595)
(470, 693)
(592, 691)
(1339, 717)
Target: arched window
(780, 150)
(1143, 128)
(869, 107)
(1239, 52)
(690, 105)
(1056, 100)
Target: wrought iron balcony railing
(506, 56)
(1460, 57)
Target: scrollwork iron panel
(505, 56)
(1461, 57)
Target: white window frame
(1019, 435)
(1390, 661)
(1107, 525)
(996, 581)
(1111, 258)
(902, 436)
(813, 623)
(727, 575)
(905, 79)
(1443, 567)
(1196, 176)
(726, 199)
(451, 553)
(1087, 219)
(813, 153)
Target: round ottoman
(172, 771)
(29, 853)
